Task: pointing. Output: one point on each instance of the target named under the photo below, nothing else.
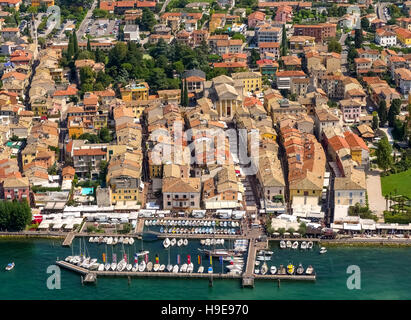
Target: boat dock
(91, 276)
(69, 239)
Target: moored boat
(290, 269)
(323, 250)
(309, 270)
(273, 270)
(10, 266)
(300, 269)
(288, 244)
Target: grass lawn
(400, 182)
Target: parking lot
(103, 28)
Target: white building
(385, 38)
(131, 33)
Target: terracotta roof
(355, 141)
(89, 152)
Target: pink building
(254, 18)
(16, 188)
(284, 14)
(351, 110)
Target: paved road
(81, 30)
(375, 198)
(163, 8)
(380, 11)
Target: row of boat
(199, 230)
(143, 266)
(294, 245)
(291, 269)
(211, 242)
(264, 255)
(111, 240)
(167, 242)
(191, 223)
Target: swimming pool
(86, 191)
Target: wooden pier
(69, 239)
(91, 276)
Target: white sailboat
(135, 268)
(273, 270)
(107, 266)
(180, 242)
(288, 244)
(149, 266)
(264, 268)
(121, 265)
(175, 268)
(303, 245)
(173, 242)
(162, 267)
(113, 266)
(183, 268)
(185, 242)
(282, 244)
(156, 267)
(295, 245)
(110, 241)
(129, 266)
(166, 243)
(142, 266)
(131, 241)
(101, 267)
(309, 245)
(200, 269)
(190, 268)
(169, 267)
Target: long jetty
(94, 274)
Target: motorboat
(309, 270)
(207, 242)
(290, 269)
(100, 267)
(288, 244)
(142, 253)
(257, 271)
(173, 242)
(107, 267)
(109, 240)
(169, 267)
(202, 242)
(131, 241)
(257, 263)
(121, 265)
(135, 268)
(126, 241)
(91, 239)
(265, 253)
(323, 250)
(10, 266)
(162, 267)
(295, 245)
(200, 269)
(185, 242)
(166, 243)
(263, 258)
(190, 268)
(183, 267)
(129, 266)
(175, 269)
(264, 268)
(156, 267)
(115, 240)
(180, 242)
(303, 245)
(121, 240)
(281, 270)
(309, 245)
(113, 266)
(68, 258)
(142, 266)
(300, 269)
(149, 266)
(210, 269)
(273, 270)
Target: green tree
(383, 153)
(185, 94)
(358, 39)
(254, 57)
(365, 23)
(382, 112)
(375, 121)
(75, 43)
(105, 135)
(88, 45)
(148, 20)
(334, 46)
(284, 45)
(70, 48)
(394, 110)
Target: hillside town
(292, 116)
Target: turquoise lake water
(385, 274)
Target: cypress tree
(185, 94)
(182, 93)
(88, 45)
(382, 112)
(70, 48)
(284, 42)
(375, 120)
(75, 43)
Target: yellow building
(251, 80)
(114, 150)
(404, 36)
(37, 3)
(75, 128)
(135, 91)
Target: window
(169, 203)
(192, 203)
